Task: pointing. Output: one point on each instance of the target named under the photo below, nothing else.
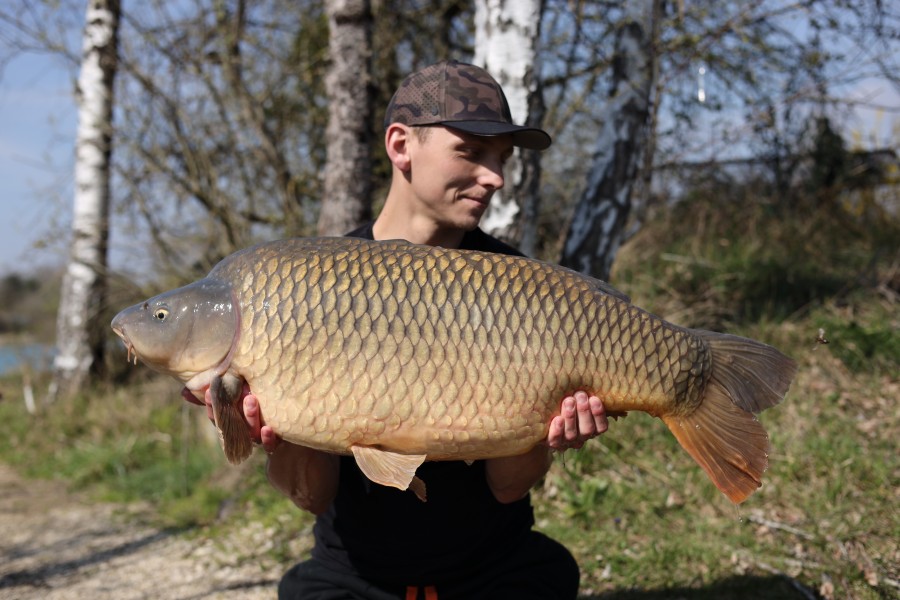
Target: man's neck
(446, 238)
(418, 229)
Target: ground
(55, 545)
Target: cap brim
(531, 138)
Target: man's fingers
(586, 423)
(270, 440)
(556, 432)
(260, 432)
(581, 418)
(601, 422)
(252, 416)
(570, 421)
(207, 398)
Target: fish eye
(160, 314)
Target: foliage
(724, 255)
(865, 332)
(28, 305)
(14, 288)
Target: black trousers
(537, 568)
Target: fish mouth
(129, 347)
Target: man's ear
(397, 141)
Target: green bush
(715, 261)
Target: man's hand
(260, 433)
(308, 477)
(194, 399)
(581, 418)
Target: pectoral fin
(390, 468)
(233, 430)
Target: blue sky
(37, 132)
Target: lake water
(37, 356)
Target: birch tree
(80, 335)
(598, 224)
(348, 183)
(507, 36)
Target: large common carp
(400, 353)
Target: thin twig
(776, 525)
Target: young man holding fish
(448, 133)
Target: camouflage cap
(460, 96)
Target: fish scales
(382, 348)
(596, 355)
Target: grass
(641, 518)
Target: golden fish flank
(399, 353)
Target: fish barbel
(399, 353)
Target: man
(448, 133)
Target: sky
(38, 120)
(37, 132)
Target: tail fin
(722, 434)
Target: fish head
(188, 333)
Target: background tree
(79, 340)
(507, 36)
(346, 200)
(226, 108)
(598, 225)
(221, 104)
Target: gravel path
(55, 545)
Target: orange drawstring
(412, 592)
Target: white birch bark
(598, 224)
(348, 166)
(506, 42)
(80, 336)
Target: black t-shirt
(390, 536)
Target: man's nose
(491, 174)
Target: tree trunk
(80, 334)
(598, 224)
(348, 169)
(507, 34)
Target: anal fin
(391, 468)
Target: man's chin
(474, 214)
(469, 224)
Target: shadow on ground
(739, 587)
(37, 576)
